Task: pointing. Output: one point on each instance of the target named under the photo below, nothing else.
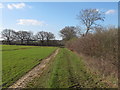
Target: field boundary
(36, 71)
(19, 49)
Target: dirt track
(38, 70)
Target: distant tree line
(42, 38)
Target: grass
(13, 47)
(16, 61)
(66, 70)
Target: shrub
(102, 45)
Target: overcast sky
(51, 16)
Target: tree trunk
(27, 42)
(21, 41)
(47, 42)
(87, 31)
(8, 41)
(42, 42)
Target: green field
(14, 47)
(17, 60)
(67, 70)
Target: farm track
(72, 78)
(36, 71)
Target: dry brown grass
(106, 70)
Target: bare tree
(22, 35)
(29, 36)
(68, 33)
(40, 36)
(9, 35)
(88, 17)
(79, 32)
(49, 36)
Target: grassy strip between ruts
(16, 63)
(66, 70)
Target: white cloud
(97, 10)
(10, 6)
(30, 22)
(16, 6)
(1, 5)
(111, 11)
